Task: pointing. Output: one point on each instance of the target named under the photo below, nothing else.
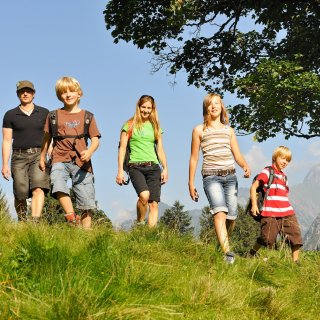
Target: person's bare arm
(238, 156)
(6, 151)
(120, 179)
(87, 154)
(253, 197)
(46, 142)
(163, 161)
(194, 158)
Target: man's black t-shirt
(27, 131)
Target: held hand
(164, 176)
(246, 172)
(6, 173)
(120, 180)
(254, 211)
(193, 193)
(85, 155)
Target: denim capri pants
(82, 183)
(222, 194)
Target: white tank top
(216, 150)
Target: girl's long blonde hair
(206, 103)
(153, 118)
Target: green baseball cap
(25, 84)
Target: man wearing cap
(22, 131)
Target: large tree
(265, 52)
(245, 232)
(177, 220)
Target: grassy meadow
(60, 272)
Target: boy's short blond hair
(283, 152)
(65, 83)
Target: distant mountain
(313, 175)
(312, 237)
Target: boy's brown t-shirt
(71, 124)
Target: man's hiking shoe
(229, 257)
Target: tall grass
(58, 272)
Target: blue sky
(44, 40)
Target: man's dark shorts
(26, 174)
(147, 179)
(286, 226)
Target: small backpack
(54, 127)
(261, 195)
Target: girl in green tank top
(142, 133)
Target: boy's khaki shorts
(82, 184)
(287, 226)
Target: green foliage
(243, 236)
(57, 272)
(245, 232)
(101, 218)
(53, 212)
(177, 220)
(207, 233)
(265, 51)
(274, 90)
(4, 209)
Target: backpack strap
(87, 121)
(271, 176)
(53, 118)
(270, 181)
(130, 129)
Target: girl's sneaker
(229, 257)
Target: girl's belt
(141, 164)
(218, 172)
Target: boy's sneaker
(229, 257)
(72, 219)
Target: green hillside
(59, 272)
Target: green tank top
(142, 143)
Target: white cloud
(120, 214)
(256, 159)
(314, 149)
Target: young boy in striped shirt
(277, 214)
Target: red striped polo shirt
(277, 203)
